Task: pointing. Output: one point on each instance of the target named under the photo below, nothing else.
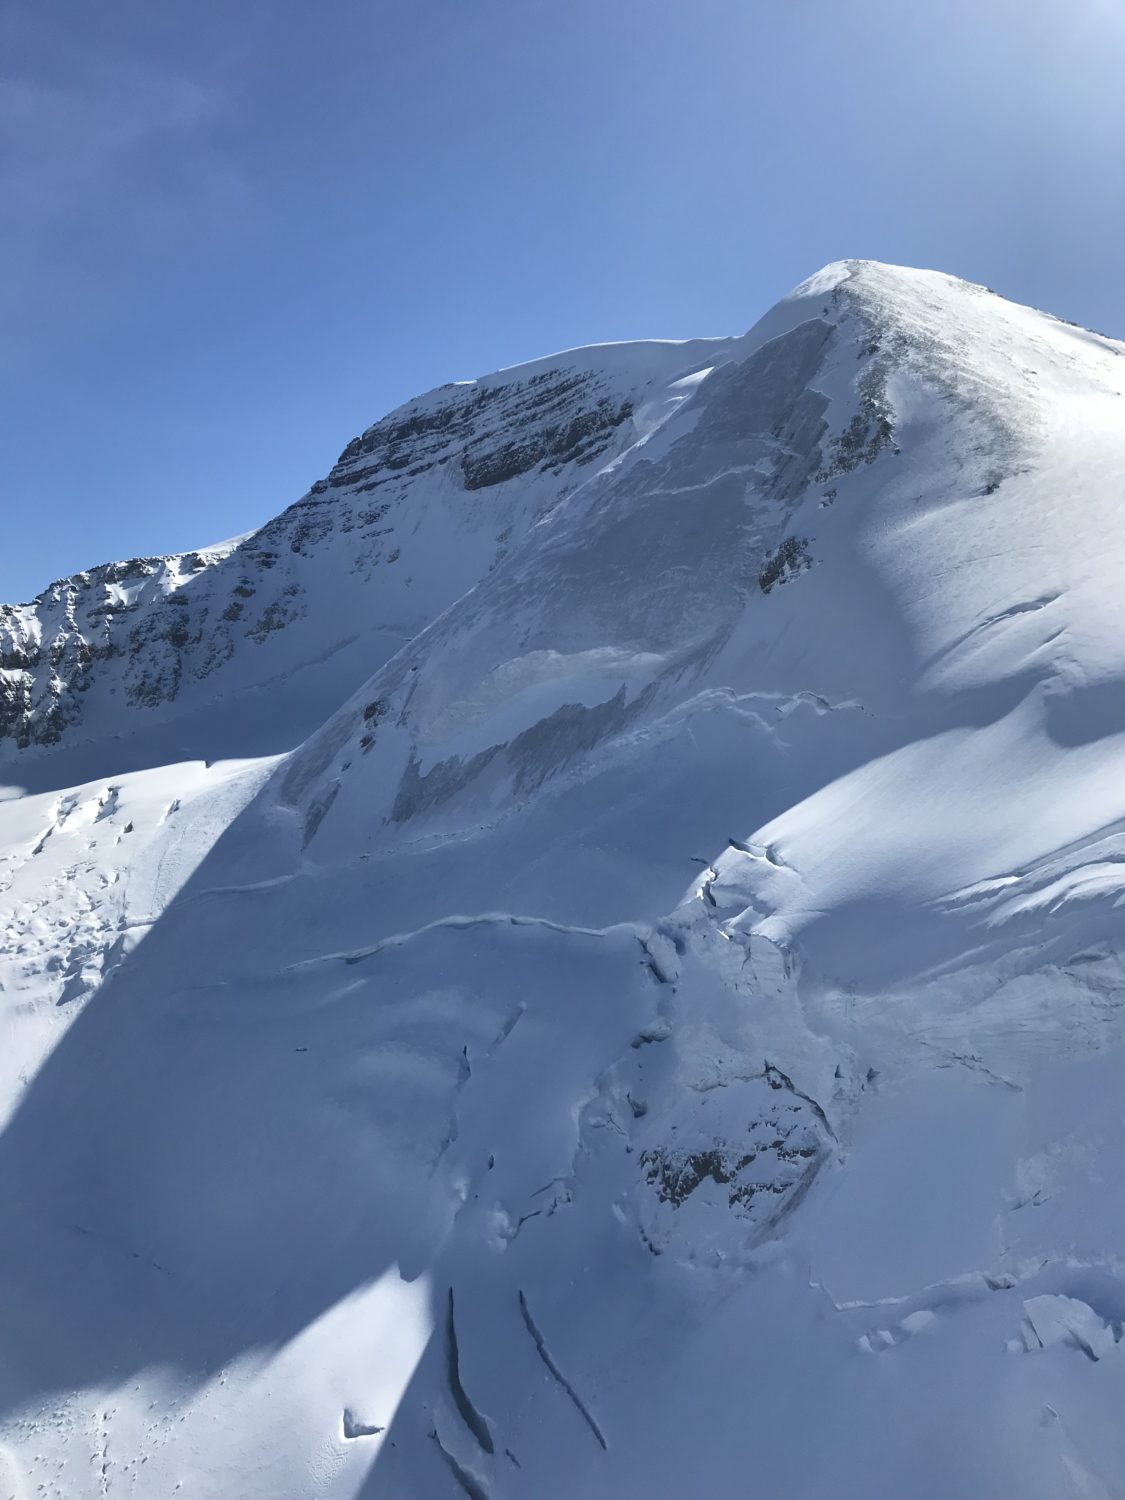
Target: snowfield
(583, 959)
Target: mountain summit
(583, 958)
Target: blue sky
(233, 235)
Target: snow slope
(635, 1011)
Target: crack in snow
(547, 1358)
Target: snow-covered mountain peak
(934, 308)
(429, 500)
(590, 938)
(857, 425)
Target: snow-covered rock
(522, 976)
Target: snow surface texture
(582, 960)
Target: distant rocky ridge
(475, 463)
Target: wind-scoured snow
(583, 959)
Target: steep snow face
(884, 508)
(659, 1034)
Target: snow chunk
(1066, 1320)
